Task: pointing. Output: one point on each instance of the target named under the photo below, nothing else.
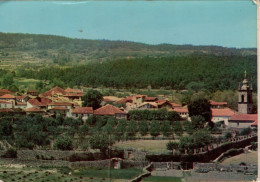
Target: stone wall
(166, 165)
(47, 154)
(219, 167)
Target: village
(191, 147)
(68, 103)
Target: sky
(223, 23)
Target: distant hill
(48, 49)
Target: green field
(161, 179)
(65, 174)
(104, 173)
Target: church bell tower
(245, 97)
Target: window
(242, 98)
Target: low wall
(206, 167)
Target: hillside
(17, 49)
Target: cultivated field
(248, 158)
(154, 146)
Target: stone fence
(206, 167)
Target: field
(63, 174)
(154, 146)
(248, 158)
(161, 179)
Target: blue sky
(223, 23)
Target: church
(245, 117)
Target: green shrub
(63, 143)
(10, 153)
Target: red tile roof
(175, 105)
(181, 109)
(244, 117)
(82, 110)
(108, 110)
(45, 101)
(35, 102)
(127, 99)
(150, 98)
(60, 104)
(212, 102)
(7, 96)
(222, 112)
(34, 109)
(21, 97)
(56, 90)
(6, 110)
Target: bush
(10, 153)
(246, 131)
(63, 143)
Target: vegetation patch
(161, 179)
(104, 173)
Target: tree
(246, 131)
(200, 106)
(100, 141)
(131, 128)
(155, 128)
(197, 122)
(6, 128)
(108, 129)
(171, 145)
(63, 143)
(8, 80)
(166, 128)
(143, 127)
(92, 98)
(177, 128)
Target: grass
(61, 174)
(248, 158)
(161, 179)
(155, 146)
(104, 173)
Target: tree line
(193, 72)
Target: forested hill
(61, 50)
(194, 72)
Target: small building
(65, 105)
(239, 121)
(217, 105)
(22, 98)
(222, 115)
(59, 110)
(35, 103)
(109, 110)
(82, 112)
(21, 105)
(35, 110)
(148, 105)
(73, 94)
(55, 92)
(5, 104)
(150, 99)
(164, 104)
(182, 111)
